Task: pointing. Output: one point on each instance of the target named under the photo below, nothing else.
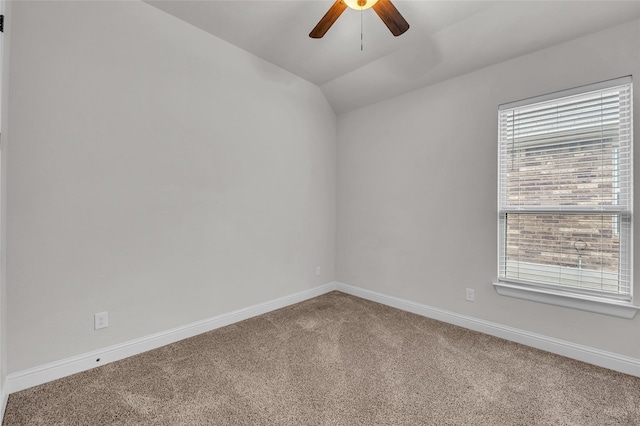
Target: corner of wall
(5, 9)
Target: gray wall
(3, 190)
(161, 174)
(417, 189)
(155, 172)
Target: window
(565, 193)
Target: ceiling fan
(383, 8)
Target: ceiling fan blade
(328, 19)
(391, 17)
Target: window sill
(583, 303)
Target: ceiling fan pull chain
(361, 48)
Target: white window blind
(565, 190)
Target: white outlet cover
(100, 320)
(471, 295)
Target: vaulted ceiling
(446, 38)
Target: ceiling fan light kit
(360, 4)
(383, 8)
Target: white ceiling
(446, 38)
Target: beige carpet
(336, 360)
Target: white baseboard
(35, 376)
(66, 367)
(587, 354)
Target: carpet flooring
(336, 360)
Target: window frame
(599, 302)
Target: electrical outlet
(317, 270)
(471, 295)
(100, 320)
